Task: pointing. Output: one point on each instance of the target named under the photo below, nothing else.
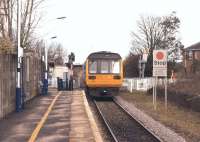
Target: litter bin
(58, 84)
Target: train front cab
(104, 77)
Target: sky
(106, 25)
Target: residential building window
(190, 55)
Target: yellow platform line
(95, 130)
(42, 121)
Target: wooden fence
(32, 75)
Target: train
(103, 74)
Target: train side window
(92, 66)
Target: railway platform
(58, 117)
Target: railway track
(122, 126)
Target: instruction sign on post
(159, 70)
(160, 63)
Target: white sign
(160, 63)
(20, 52)
(144, 57)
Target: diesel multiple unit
(103, 73)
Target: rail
(107, 125)
(160, 140)
(122, 125)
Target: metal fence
(142, 84)
(32, 75)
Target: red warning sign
(160, 63)
(159, 55)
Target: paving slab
(17, 127)
(67, 119)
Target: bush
(5, 45)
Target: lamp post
(63, 17)
(18, 85)
(53, 37)
(45, 81)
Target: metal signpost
(159, 70)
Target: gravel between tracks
(157, 128)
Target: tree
(157, 33)
(7, 18)
(131, 66)
(29, 20)
(57, 54)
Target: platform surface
(59, 117)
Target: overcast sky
(97, 25)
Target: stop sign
(159, 55)
(160, 63)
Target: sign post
(159, 70)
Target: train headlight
(92, 77)
(116, 77)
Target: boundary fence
(32, 76)
(142, 84)
(7, 83)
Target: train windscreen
(104, 66)
(92, 66)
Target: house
(191, 57)
(56, 71)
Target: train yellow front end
(103, 74)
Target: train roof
(104, 55)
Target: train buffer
(60, 117)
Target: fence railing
(142, 84)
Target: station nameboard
(160, 62)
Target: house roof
(195, 46)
